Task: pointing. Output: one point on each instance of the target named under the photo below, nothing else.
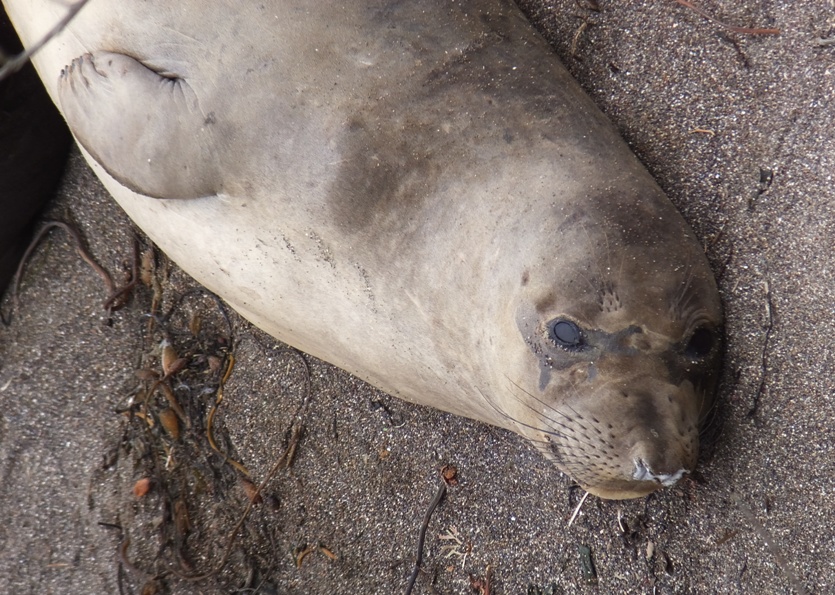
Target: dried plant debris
(450, 475)
(482, 585)
(194, 512)
(141, 487)
(455, 545)
(301, 552)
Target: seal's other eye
(566, 334)
(700, 343)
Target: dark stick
(422, 535)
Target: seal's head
(621, 323)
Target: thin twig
(119, 296)
(210, 418)
(764, 360)
(75, 236)
(577, 510)
(123, 556)
(422, 535)
(16, 63)
(773, 547)
(734, 28)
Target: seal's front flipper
(146, 130)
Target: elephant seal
(417, 192)
(34, 143)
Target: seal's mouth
(643, 472)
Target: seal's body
(417, 192)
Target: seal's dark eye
(566, 334)
(700, 343)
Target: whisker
(538, 400)
(549, 431)
(571, 437)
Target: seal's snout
(665, 449)
(650, 443)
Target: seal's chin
(639, 490)
(644, 481)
